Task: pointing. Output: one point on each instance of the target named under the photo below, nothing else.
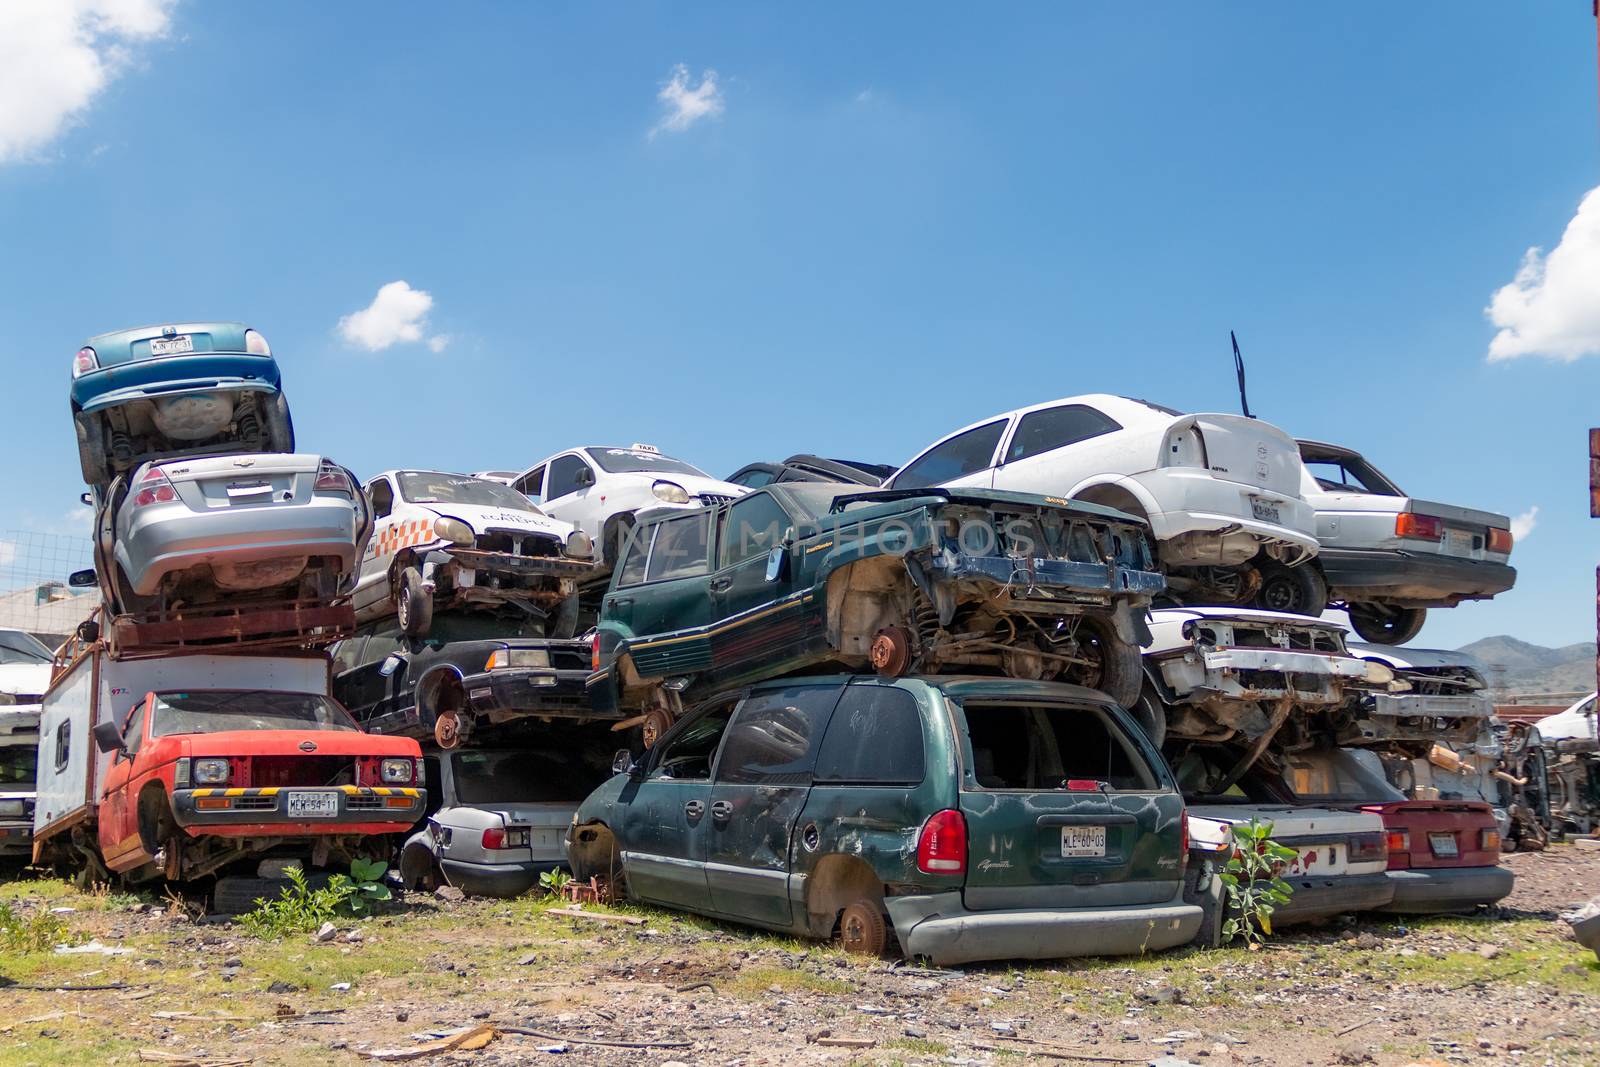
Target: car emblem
(244, 463)
(308, 746)
(169, 331)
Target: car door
(372, 587)
(531, 485)
(763, 774)
(743, 587)
(1051, 450)
(966, 458)
(672, 608)
(664, 829)
(567, 494)
(119, 816)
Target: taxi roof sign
(645, 448)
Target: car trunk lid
(1248, 452)
(233, 482)
(1434, 834)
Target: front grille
(1298, 640)
(255, 804)
(515, 543)
(363, 803)
(302, 770)
(712, 500)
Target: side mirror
(777, 563)
(84, 579)
(107, 738)
(390, 664)
(86, 499)
(622, 763)
(584, 477)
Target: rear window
(517, 776)
(1340, 776)
(874, 738)
(1043, 746)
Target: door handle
(622, 602)
(694, 809)
(722, 810)
(721, 585)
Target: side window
(962, 454)
(754, 479)
(378, 648)
(638, 550)
(564, 477)
(63, 744)
(381, 493)
(775, 736)
(753, 526)
(874, 738)
(347, 654)
(1042, 431)
(689, 755)
(681, 548)
(531, 485)
(133, 729)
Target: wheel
(236, 895)
(1151, 715)
(890, 652)
(1383, 624)
(863, 930)
(91, 450)
(564, 623)
(618, 529)
(413, 604)
(418, 869)
(1117, 671)
(275, 420)
(657, 721)
(1298, 590)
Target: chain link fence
(34, 595)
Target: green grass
(917, 1046)
(756, 982)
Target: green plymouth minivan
(962, 818)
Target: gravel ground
(1502, 987)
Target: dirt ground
(1503, 987)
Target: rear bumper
(1448, 888)
(1309, 677)
(513, 691)
(495, 879)
(941, 928)
(16, 839)
(264, 811)
(1320, 896)
(1194, 501)
(1420, 578)
(154, 381)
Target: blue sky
(880, 222)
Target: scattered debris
(468, 1040)
(92, 948)
(325, 932)
(525, 1031)
(1585, 923)
(175, 1059)
(597, 916)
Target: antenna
(1238, 368)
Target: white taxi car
(600, 488)
(1222, 493)
(456, 541)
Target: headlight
(518, 657)
(580, 545)
(210, 771)
(396, 770)
(453, 530)
(11, 808)
(7, 699)
(671, 492)
(255, 344)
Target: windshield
(478, 626)
(626, 460)
(19, 764)
(18, 647)
(425, 487)
(519, 776)
(1342, 776)
(215, 710)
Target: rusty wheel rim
(447, 730)
(890, 652)
(657, 721)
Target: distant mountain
(1516, 666)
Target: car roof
(962, 685)
(1321, 449)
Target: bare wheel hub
(447, 729)
(890, 652)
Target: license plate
(238, 490)
(171, 346)
(1443, 845)
(1083, 841)
(313, 805)
(1264, 510)
(1317, 859)
(1457, 543)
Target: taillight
(1499, 540)
(1489, 840)
(496, 838)
(154, 488)
(942, 845)
(1183, 841)
(333, 479)
(255, 344)
(1418, 527)
(1084, 785)
(1365, 847)
(84, 362)
(594, 652)
(1399, 841)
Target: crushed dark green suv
(964, 818)
(800, 575)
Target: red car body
(1444, 855)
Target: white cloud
(60, 55)
(1523, 524)
(8, 553)
(398, 313)
(1552, 307)
(686, 106)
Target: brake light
(1083, 785)
(1500, 540)
(154, 488)
(594, 652)
(1183, 841)
(84, 362)
(942, 845)
(1365, 847)
(496, 838)
(333, 479)
(255, 344)
(1489, 840)
(1418, 527)
(1399, 841)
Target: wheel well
(864, 597)
(837, 880)
(594, 852)
(155, 810)
(440, 690)
(1113, 496)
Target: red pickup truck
(211, 765)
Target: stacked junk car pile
(1008, 700)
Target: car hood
(696, 485)
(1569, 724)
(488, 517)
(1405, 659)
(850, 496)
(287, 743)
(1166, 624)
(17, 721)
(25, 679)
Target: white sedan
(600, 488)
(455, 540)
(1221, 492)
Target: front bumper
(1422, 891)
(1320, 896)
(264, 810)
(1263, 674)
(504, 565)
(495, 879)
(16, 839)
(941, 928)
(511, 692)
(1419, 579)
(1416, 717)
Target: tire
(863, 930)
(275, 420)
(413, 604)
(1298, 590)
(236, 895)
(564, 623)
(613, 537)
(1213, 912)
(419, 870)
(1121, 674)
(1384, 625)
(91, 450)
(1151, 715)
